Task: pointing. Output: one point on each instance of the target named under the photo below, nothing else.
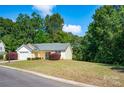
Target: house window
(58, 51)
(0, 48)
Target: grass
(86, 72)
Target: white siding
(67, 54)
(24, 53)
(62, 55)
(2, 48)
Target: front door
(47, 55)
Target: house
(42, 50)
(2, 47)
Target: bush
(1, 56)
(36, 58)
(54, 56)
(12, 56)
(28, 58)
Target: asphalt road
(13, 78)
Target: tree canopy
(104, 41)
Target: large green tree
(53, 24)
(101, 42)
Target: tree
(41, 37)
(10, 42)
(37, 21)
(53, 24)
(29, 27)
(101, 42)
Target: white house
(2, 47)
(43, 50)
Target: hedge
(36, 58)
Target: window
(0, 48)
(58, 51)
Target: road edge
(79, 84)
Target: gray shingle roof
(26, 46)
(52, 46)
(46, 46)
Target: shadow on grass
(119, 69)
(114, 67)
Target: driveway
(13, 78)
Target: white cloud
(75, 29)
(44, 9)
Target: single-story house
(42, 50)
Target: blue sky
(76, 17)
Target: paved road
(13, 78)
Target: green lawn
(86, 72)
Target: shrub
(54, 56)
(28, 58)
(1, 56)
(36, 58)
(11, 56)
